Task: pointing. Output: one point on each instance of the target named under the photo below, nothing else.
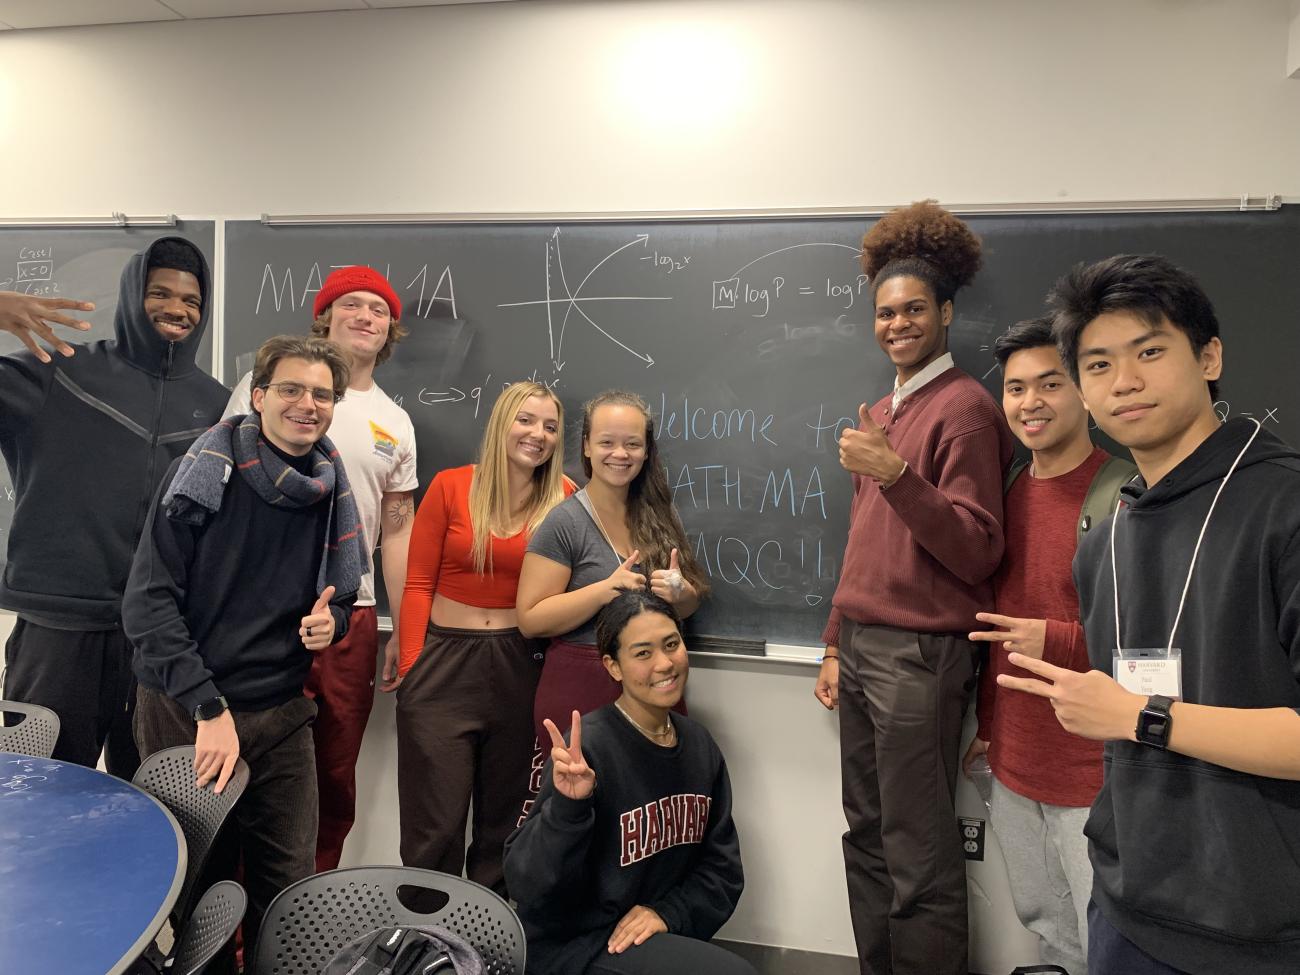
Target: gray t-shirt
(570, 537)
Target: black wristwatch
(210, 709)
(1155, 722)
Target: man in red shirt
(925, 537)
(1044, 778)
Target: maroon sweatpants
(573, 678)
(342, 683)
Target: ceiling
(25, 14)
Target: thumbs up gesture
(317, 630)
(625, 577)
(668, 584)
(867, 451)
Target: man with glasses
(252, 556)
(358, 310)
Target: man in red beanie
(358, 309)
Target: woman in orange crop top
(465, 704)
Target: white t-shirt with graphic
(377, 443)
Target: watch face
(1153, 727)
(209, 709)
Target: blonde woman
(465, 704)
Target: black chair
(168, 775)
(35, 735)
(212, 924)
(310, 921)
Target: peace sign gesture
(570, 773)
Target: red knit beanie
(356, 278)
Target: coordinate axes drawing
(573, 299)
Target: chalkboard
(752, 341)
(84, 263)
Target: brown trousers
(902, 699)
(273, 825)
(465, 730)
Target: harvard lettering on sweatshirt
(657, 832)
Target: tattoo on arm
(400, 510)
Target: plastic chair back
(36, 734)
(310, 921)
(212, 924)
(168, 775)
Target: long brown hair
(654, 524)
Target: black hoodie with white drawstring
(1197, 864)
(86, 440)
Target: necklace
(667, 730)
(591, 507)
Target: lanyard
(1182, 600)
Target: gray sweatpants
(1051, 879)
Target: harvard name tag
(1150, 670)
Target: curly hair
(923, 241)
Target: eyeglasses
(293, 392)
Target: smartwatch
(210, 709)
(1155, 722)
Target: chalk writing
(574, 301)
(278, 290)
(21, 775)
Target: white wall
(676, 104)
(634, 104)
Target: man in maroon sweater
(1044, 778)
(925, 536)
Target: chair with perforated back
(210, 926)
(168, 775)
(311, 921)
(36, 734)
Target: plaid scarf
(196, 492)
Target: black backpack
(1103, 494)
(413, 950)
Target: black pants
(902, 697)
(671, 954)
(273, 825)
(85, 678)
(465, 730)
(1110, 953)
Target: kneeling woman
(636, 876)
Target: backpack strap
(1017, 468)
(1103, 494)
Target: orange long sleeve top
(440, 560)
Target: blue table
(90, 866)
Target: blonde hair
(489, 490)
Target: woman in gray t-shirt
(619, 532)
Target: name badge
(1150, 670)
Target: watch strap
(1155, 721)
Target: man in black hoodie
(86, 438)
(1195, 835)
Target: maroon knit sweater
(1031, 754)
(920, 555)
